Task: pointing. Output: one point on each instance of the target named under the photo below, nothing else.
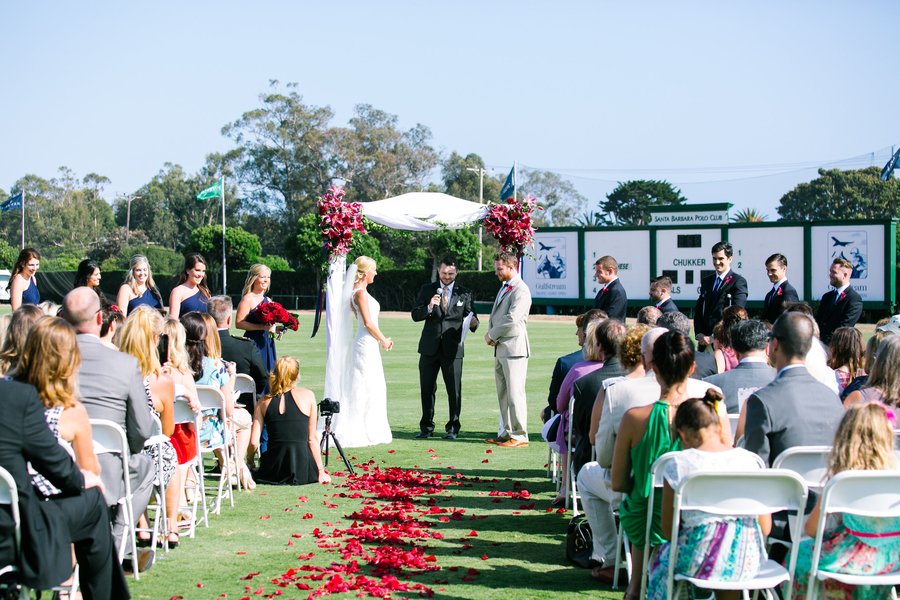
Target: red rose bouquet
(272, 313)
(512, 224)
(338, 220)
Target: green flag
(213, 191)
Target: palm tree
(592, 219)
(749, 215)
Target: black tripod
(327, 437)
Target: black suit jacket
(246, 357)
(710, 305)
(844, 312)
(774, 303)
(584, 391)
(24, 436)
(667, 306)
(613, 300)
(443, 330)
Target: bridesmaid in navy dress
(259, 278)
(22, 285)
(191, 294)
(139, 288)
(88, 275)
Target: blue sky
(731, 101)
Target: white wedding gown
(363, 418)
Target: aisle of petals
(387, 541)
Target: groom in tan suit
(507, 334)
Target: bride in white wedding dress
(363, 418)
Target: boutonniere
(842, 296)
(779, 292)
(727, 280)
(603, 291)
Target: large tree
(460, 182)
(836, 194)
(631, 201)
(559, 198)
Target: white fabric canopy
(424, 211)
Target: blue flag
(508, 188)
(12, 203)
(888, 169)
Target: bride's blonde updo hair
(364, 264)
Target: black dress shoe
(424, 434)
(449, 436)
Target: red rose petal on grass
(241, 552)
(488, 451)
(200, 584)
(250, 576)
(308, 516)
(484, 461)
(263, 494)
(467, 579)
(176, 598)
(444, 519)
(289, 509)
(473, 533)
(303, 499)
(297, 535)
(264, 518)
(473, 572)
(454, 568)
(561, 511)
(391, 451)
(484, 557)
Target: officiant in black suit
(443, 305)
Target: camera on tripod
(328, 407)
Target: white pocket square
(459, 302)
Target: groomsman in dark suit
(725, 288)
(782, 292)
(611, 297)
(443, 306)
(842, 306)
(660, 290)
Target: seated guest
(51, 527)
(795, 409)
(853, 544)
(140, 339)
(49, 363)
(817, 358)
(109, 328)
(20, 324)
(610, 334)
(110, 386)
(593, 480)
(564, 363)
(705, 364)
(288, 412)
(593, 360)
(700, 554)
(869, 360)
(212, 371)
(648, 315)
(645, 435)
(846, 352)
(241, 351)
(749, 340)
(724, 354)
(883, 384)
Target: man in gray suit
(795, 409)
(111, 388)
(749, 340)
(509, 338)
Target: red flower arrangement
(272, 313)
(512, 224)
(338, 220)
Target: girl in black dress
(288, 412)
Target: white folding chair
(109, 438)
(861, 493)
(810, 462)
(623, 546)
(738, 494)
(656, 479)
(211, 398)
(9, 496)
(733, 421)
(183, 414)
(157, 438)
(243, 384)
(570, 474)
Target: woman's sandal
(173, 544)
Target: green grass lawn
(518, 548)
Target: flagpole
(515, 183)
(224, 287)
(23, 219)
